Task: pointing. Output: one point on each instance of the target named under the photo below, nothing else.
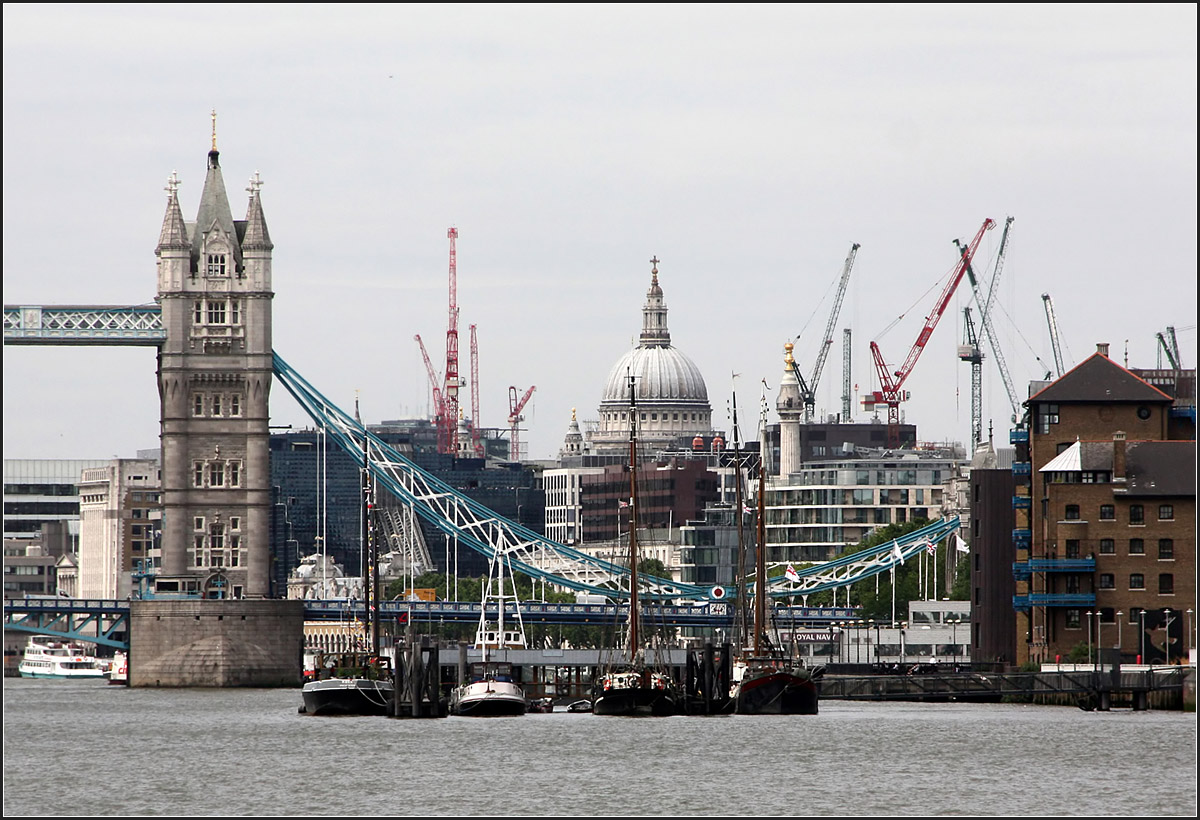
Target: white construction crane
(808, 389)
(985, 321)
(1054, 344)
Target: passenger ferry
(48, 657)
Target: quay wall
(223, 643)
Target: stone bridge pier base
(222, 643)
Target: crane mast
(1054, 344)
(891, 382)
(448, 431)
(476, 443)
(985, 319)
(847, 395)
(809, 389)
(969, 351)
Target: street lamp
(870, 624)
(1167, 619)
(1120, 614)
(1088, 615)
(1142, 639)
(954, 637)
(1190, 645)
(1099, 642)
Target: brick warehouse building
(1107, 557)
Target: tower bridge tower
(214, 376)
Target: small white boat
(48, 657)
(490, 691)
(118, 671)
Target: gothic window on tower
(198, 312)
(216, 404)
(216, 312)
(235, 312)
(216, 545)
(198, 404)
(235, 474)
(198, 551)
(198, 481)
(216, 264)
(235, 404)
(235, 550)
(216, 474)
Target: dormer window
(216, 264)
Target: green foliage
(1079, 653)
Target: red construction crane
(890, 382)
(439, 407)
(448, 430)
(514, 418)
(476, 443)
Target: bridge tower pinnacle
(215, 371)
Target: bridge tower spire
(215, 371)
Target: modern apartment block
(1105, 515)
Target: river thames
(87, 748)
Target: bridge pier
(223, 643)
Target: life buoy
(717, 593)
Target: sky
(747, 147)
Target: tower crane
(969, 351)
(476, 443)
(1054, 345)
(985, 323)
(808, 390)
(515, 407)
(448, 430)
(891, 382)
(1170, 347)
(847, 393)
(439, 407)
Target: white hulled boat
(48, 657)
(490, 690)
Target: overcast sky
(747, 147)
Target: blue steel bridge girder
(91, 621)
(112, 325)
(482, 530)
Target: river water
(86, 748)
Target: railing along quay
(1089, 688)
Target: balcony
(1020, 570)
(1064, 599)
(1018, 436)
(1062, 564)
(1022, 468)
(1022, 502)
(1022, 538)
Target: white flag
(791, 573)
(899, 556)
(960, 544)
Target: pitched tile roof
(1100, 379)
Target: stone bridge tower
(214, 376)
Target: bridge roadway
(106, 621)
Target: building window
(235, 312)
(1166, 512)
(216, 264)
(198, 524)
(1071, 513)
(1166, 584)
(235, 550)
(1072, 547)
(235, 474)
(216, 474)
(1108, 512)
(216, 312)
(1137, 546)
(216, 404)
(198, 551)
(1108, 546)
(1166, 549)
(1136, 514)
(1073, 619)
(198, 312)
(1137, 580)
(1047, 415)
(198, 481)
(235, 523)
(198, 405)
(1107, 580)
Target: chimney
(1119, 456)
(1102, 349)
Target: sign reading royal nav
(808, 636)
